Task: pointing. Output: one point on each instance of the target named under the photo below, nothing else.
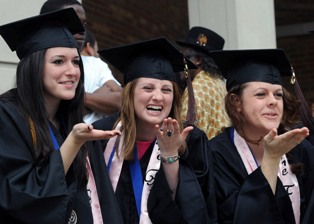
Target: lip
(68, 83)
(154, 106)
(270, 115)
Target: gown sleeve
(243, 198)
(195, 189)
(29, 193)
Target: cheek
(169, 101)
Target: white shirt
(96, 73)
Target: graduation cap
(44, 31)
(263, 65)
(203, 39)
(156, 58)
(241, 66)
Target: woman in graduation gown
(43, 147)
(263, 167)
(157, 177)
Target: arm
(78, 136)
(169, 146)
(106, 99)
(275, 147)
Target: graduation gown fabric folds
(243, 198)
(195, 200)
(42, 194)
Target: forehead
(254, 85)
(144, 81)
(61, 51)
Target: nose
(272, 100)
(72, 70)
(157, 95)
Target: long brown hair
(128, 117)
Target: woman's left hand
(169, 137)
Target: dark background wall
(300, 48)
(116, 22)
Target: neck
(257, 150)
(51, 111)
(145, 132)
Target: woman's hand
(278, 145)
(78, 136)
(169, 137)
(275, 146)
(85, 132)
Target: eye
(260, 94)
(58, 61)
(148, 88)
(278, 95)
(76, 62)
(167, 90)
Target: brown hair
(290, 114)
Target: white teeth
(154, 107)
(68, 83)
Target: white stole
(288, 179)
(116, 167)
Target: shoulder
(221, 141)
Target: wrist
(169, 159)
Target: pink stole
(91, 188)
(288, 179)
(116, 167)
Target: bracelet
(170, 159)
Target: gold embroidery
(32, 129)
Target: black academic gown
(41, 194)
(243, 198)
(195, 199)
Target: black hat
(156, 58)
(241, 66)
(203, 39)
(44, 31)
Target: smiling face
(152, 100)
(61, 74)
(262, 107)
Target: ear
(236, 102)
(89, 49)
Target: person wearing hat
(43, 146)
(160, 172)
(204, 87)
(263, 165)
(102, 90)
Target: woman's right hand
(85, 132)
(275, 146)
(78, 136)
(278, 145)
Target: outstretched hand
(277, 145)
(85, 132)
(169, 137)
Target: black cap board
(241, 66)
(157, 58)
(44, 31)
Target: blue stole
(136, 176)
(54, 140)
